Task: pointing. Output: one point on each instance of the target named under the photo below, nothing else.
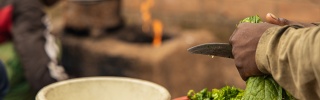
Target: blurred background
(148, 39)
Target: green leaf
(262, 88)
(251, 19)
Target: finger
(275, 20)
(272, 19)
(282, 21)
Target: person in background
(4, 84)
(287, 50)
(31, 62)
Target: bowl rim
(42, 93)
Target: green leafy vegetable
(264, 88)
(252, 19)
(258, 87)
(225, 93)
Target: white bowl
(103, 88)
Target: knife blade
(215, 49)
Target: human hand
(270, 18)
(244, 41)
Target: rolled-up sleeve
(291, 54)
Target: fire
(157, 29)
(146, 16)
(148, 21)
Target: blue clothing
(4, 83)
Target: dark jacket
(28, 33)
(28, 37)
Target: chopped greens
(225, 93)
(258, 88)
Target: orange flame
(146, 16)
(157, 29)
(147, 21)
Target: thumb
(275, 20)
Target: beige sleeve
(291, 54)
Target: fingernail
(273, 16)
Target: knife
(213, 49)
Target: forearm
(291, 54)
(29, 41)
